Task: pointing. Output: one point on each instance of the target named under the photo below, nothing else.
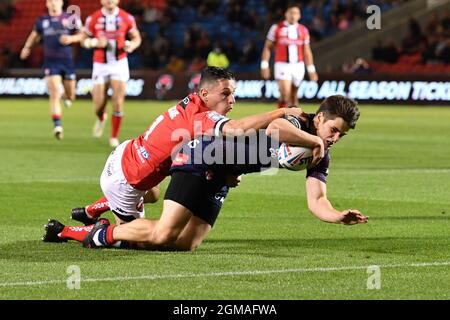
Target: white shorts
(123, 198)
(290, 71)
(104, 72)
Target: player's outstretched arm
(32, 39)
(257, 121)
(321, 207)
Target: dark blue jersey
(215, 158)
(51, 29)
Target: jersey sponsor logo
(219, 198)
(184, 102)
(145, 154)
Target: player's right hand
(295, 112)
(265, 73)
(25, 53)
(353, 216)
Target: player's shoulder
(125, 15)
(42, 18)
(302, 27)
(96, 14)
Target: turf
(394, 167)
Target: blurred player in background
(106, 31)
(290, 40)
(58, 31)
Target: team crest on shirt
(284, 32)
(45, 24)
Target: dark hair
(293, 5)
(211, 74)
(340, 106)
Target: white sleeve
(271, 33)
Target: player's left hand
(233, 181)
(65, 39)
(353, 216)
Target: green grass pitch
(395, 168)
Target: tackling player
(106, 31)
(58, 31)
(134, 170)
(198, 187)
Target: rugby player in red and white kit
(292, 51)
(107, 31)
(136, 167)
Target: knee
(99, 112)
(152, 196)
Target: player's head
(216, 89)
(54, 6)
(292, 13)
(110, 4)
(334, 118)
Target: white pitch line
(224, 274)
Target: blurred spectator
(361, 67)
(7, 10)
(357, 66)
(196, 65)
(249, 53)
(216, 58)
(414, 40)
(175, 64)
(387, 52)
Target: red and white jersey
(289, 40)
(115, 28)
(147, 159)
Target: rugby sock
(56, 120)
(102, 117)
(282, 105)
(116, 120)
(104, 237)
(77, 233)
(96, 209)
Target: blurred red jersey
(289, 40)
(147, 159)
(115, 28)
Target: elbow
(273, 129)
